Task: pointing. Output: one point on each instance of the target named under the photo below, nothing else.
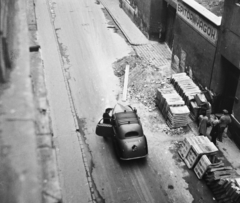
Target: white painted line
(125, 87)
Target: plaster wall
(145, 14)
(192, 53)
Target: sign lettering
(198, 23)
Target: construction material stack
(184, 85)
(223, 183)
(172, 106)
(200, 155)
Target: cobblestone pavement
(158, 55)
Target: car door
(104, 130)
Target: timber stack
(192, 95)
(172, 106)
(223, 183)
(185, 86)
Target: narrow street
(79, 44)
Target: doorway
(231, 84)
(171, 15)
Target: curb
(49, 178)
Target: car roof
(128, 122)
(124, 129)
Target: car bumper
(131, 158)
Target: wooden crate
(201, 166)
(191, 158)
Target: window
(132, 134)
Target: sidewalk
(160, 55)
(129, 29)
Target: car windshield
(129, 130)
(120, 108)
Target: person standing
(224, 121)
(106, 117)
(215, 131)
(203, 122)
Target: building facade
(196, 34)
(146, 15)
(204, 43)
(226, 71)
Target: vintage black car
(125, 129)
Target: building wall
(156, 17)
(231, 33)
(139, 12)
(145, 14)
(192, 51)
(229, 50)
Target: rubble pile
(173, 131)
(144, 78)
(143, 82)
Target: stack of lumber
(215, 173)
(223, 183)
(185, 86)
(200, 99)
(172, 106)
(178, 116)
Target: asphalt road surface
(79, 43)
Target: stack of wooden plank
(200, 99)
(172, 106)
(215, 173)
(223, 183)
(178, 116)
(185, 86)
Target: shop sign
(198, 23)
